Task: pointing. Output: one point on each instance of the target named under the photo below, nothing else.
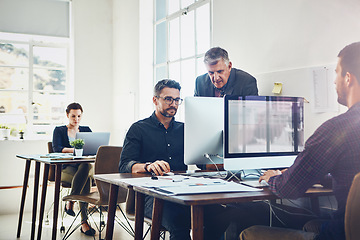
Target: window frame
(168, 19)
(33, 41)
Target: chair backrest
(352, 213)
(107, 161)
(51, 176)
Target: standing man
(156, 144)
(334, 148)
(222, 79)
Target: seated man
(156, 144)
(334, 148)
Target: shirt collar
(158, 123)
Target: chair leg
(126, 226)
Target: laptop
(93, 140)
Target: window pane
(10, 101)
(160, 9)
(203, 28)
(14, 54)
(14, 78)
(160, 73)
(49, 80)
(201, 69)
(174, 71)
(174, 40)
(187, 35)
(161, 43)
(174, 5)
(50, 57)
(185, 3)
(187, 78)
(49, 107)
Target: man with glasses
(156, 145)
(222, 79)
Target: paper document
(180, 185)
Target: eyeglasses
(170, 100)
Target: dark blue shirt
(148, 140)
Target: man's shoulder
(142, 122)
(202, 78)
(242, 74)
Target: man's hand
(270, 173)
(159, 167)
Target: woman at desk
(78, 175)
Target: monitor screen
(262, 131)
(203, 133)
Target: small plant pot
(5, 133)
(78, 152)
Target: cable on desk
(222, 176)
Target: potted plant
(4, 131)
(78, 144)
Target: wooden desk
(195, 201)
(47, 162)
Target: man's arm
(130, 154)
(130, 160)
(318, 158)
(250, 87)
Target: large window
(182, 30)
(34, 83)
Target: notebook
(93, 140)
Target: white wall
(93, 73)
(266, 38)
(125, 66)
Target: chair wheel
(62, 229)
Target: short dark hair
(350, 60)
(213, 55)
(160, 85)
(74, 106)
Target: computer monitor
(262, 132)
(93, 140)
(204, 123)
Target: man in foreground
(334, 148)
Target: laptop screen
(93, 140)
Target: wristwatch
(146, 165)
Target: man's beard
(166, 114)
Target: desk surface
(202, 199)
(36, 157)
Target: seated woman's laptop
(93, 140)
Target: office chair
(130, 213)
(107, 161)
(352, 212)
(64, 185)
